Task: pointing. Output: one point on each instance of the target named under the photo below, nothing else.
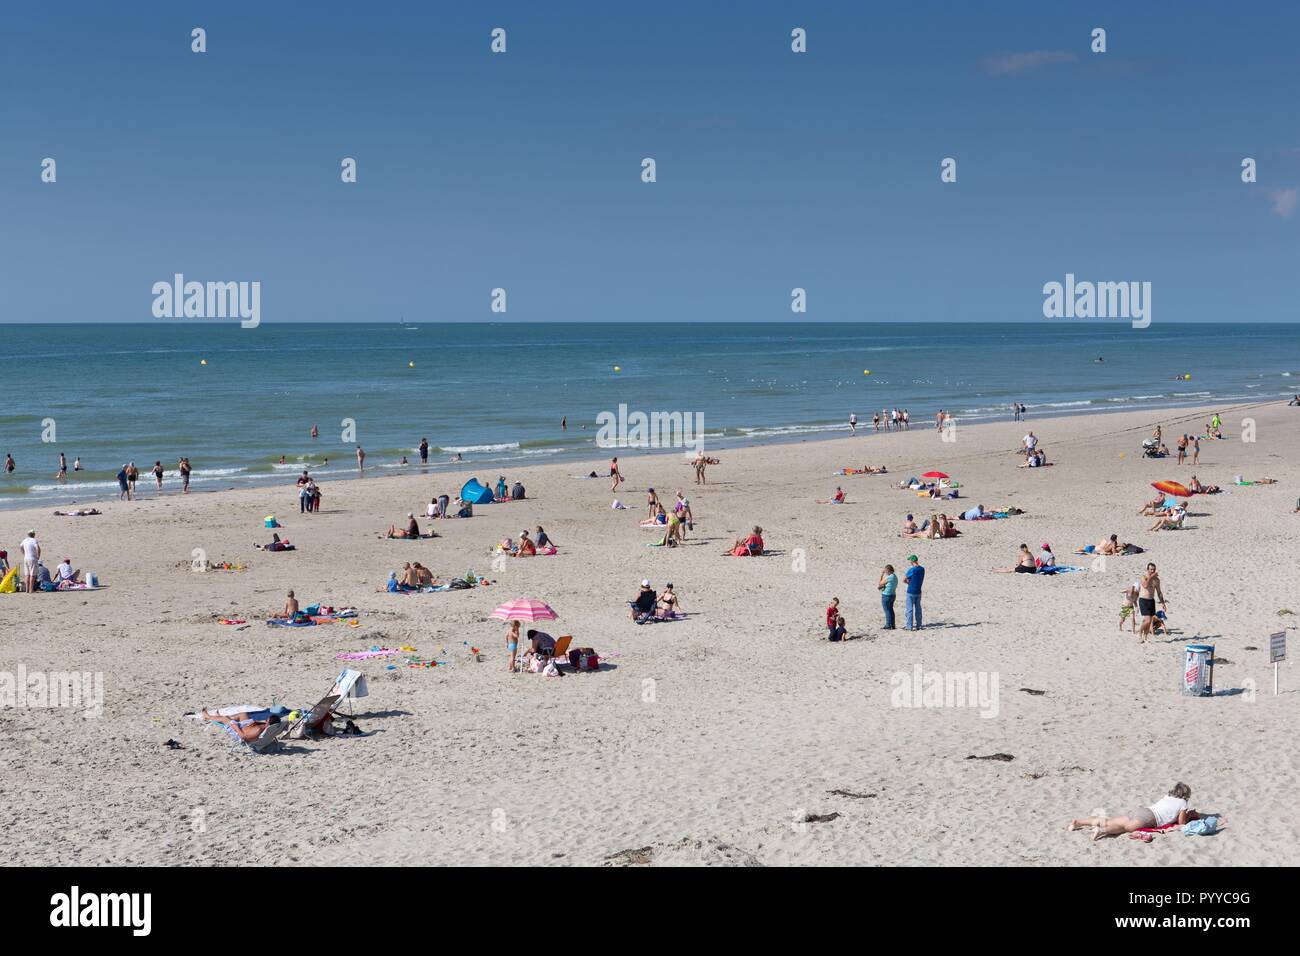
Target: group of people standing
(913, 583)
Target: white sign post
(1276, 652)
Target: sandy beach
(705, 741)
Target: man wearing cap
(915, 577)
(31, 559)
(644, 604)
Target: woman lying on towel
(749, 547)
(79, 513)
(1111, 545)
(1196, 488)
(277, 544)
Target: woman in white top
(1171, 808)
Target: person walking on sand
(915, 578)
(701, 465)
(615, 476)
(361, 458)
(652, 504)
(1149, 591)
(1128, 607)
(31, 549)
(853, 423)
(1196, 449)
(888, 588)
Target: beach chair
(269, 739)
(314, 719)
(561, 652)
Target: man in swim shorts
(1149, 592)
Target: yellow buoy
(203, 361)
(617, 369)
(866, 371)
(410, 365)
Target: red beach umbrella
(935, 474)
(1177, 489)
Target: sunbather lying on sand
(1196, 488)
(79, 513)
(277, 544)
(1171, 808)
(1111, 545)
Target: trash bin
(1198, 670)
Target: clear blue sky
(775, 170)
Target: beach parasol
(524, 609)
(935, 474)
(1177, 489)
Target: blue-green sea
(235, 400)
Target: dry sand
(705, 741)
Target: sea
(236, 401)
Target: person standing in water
(361, 458)
(76, 463)
(315, 432)
(424, 451)
(158, 475)
(63, 467)
(10, 464)
(564, 423)
(853, 423)
(184, 467)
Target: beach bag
(1205, 826)
(92, 579)
(459, 584)
(584, 659)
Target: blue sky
(775, 170)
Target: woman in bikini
(1024, 563)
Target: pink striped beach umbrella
(524, 609)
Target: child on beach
(1129, 608)
(512, 644)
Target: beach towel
(1060, 569)
(232, 620)
(289, 622)
(367, 655)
